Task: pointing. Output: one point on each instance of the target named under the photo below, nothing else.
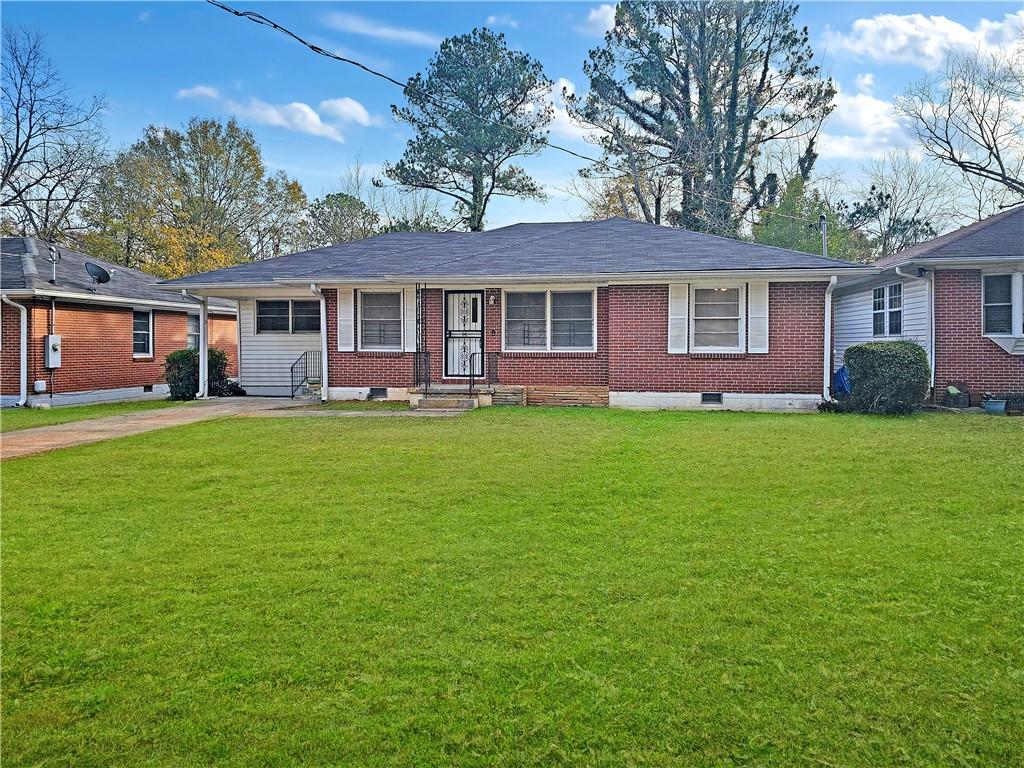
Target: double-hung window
(380, 320)
(997, 304)
(288, 316)
(142, 333)
(192, 331)
(549, 321)
(887, 310)
(717, 319)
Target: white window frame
(886, 309)
(547, 349)
(291, 319)
(149, 352)
(742, 335)
(1016, 304)
(189, 333)
(360, 346)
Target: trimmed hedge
(181, 370)
(887, 377)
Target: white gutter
(323, 341)
(23, 377)
(827, 367)
(930, 281)
(204, 347)
(93, 298)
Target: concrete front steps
(446, 402)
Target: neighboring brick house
(113, 337)
(961, 296)
(613, 311)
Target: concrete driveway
(39, 439)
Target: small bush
(887, 377)
(181, 371)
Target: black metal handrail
(307, 367)
(472, 370)
(421, 370)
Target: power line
(259, 18)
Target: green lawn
(520, 587)
(26, 418)
(364, 405)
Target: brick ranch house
(609, 312)
(112, 338)
(961, 296)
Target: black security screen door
(463, 333)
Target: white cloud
(348, 110)
(502, 21)
(198, 92)
(922, 40)
(599, 20)
(865, 83)
(360, 25)
(295, 116)
(562, 126)
(862, 127)
(145, 16)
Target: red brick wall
(395, 369)
(639, 360)
(97, 346)
(962, 355)
(362, 369)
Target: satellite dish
(98, 274)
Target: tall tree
(703, 89)
(339, 218)
(479, 106)
(196, 198)
(972, 115)
(790, 223)
(53, 144)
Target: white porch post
(204, 349)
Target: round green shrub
(887, 377)
(181, 371)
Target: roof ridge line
(527, 240)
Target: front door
(463, 334)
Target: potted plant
(993, 405)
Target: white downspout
(23, 378)
(826, 383)
(204, 345)
(930, 349)
(323, 341)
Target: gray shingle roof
(25, 265)
(999, 236)
(614, 246)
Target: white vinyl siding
(855, 316)
(265, 359)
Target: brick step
(446, 403)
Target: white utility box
(53, 350)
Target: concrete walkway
(24, 442)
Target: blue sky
(162, 63)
